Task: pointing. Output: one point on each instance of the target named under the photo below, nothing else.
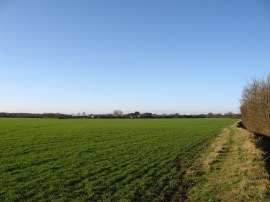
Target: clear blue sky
(156, 56)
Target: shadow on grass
(240, 125)
(263, 142)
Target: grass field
(83, 159)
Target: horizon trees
(117, 113)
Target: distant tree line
(255, 105)
(116, 114)
(33, 115)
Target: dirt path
(232, 170)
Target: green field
(90, 160)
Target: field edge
(233, 167)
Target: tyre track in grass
(233, 169)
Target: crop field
(91, 160)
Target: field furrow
(91, 160)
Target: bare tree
(117, 113)
(255, 105)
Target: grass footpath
(233, 169)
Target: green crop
(91, 160)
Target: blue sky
(153, 56)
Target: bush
(255, 105)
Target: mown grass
(91, 160)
